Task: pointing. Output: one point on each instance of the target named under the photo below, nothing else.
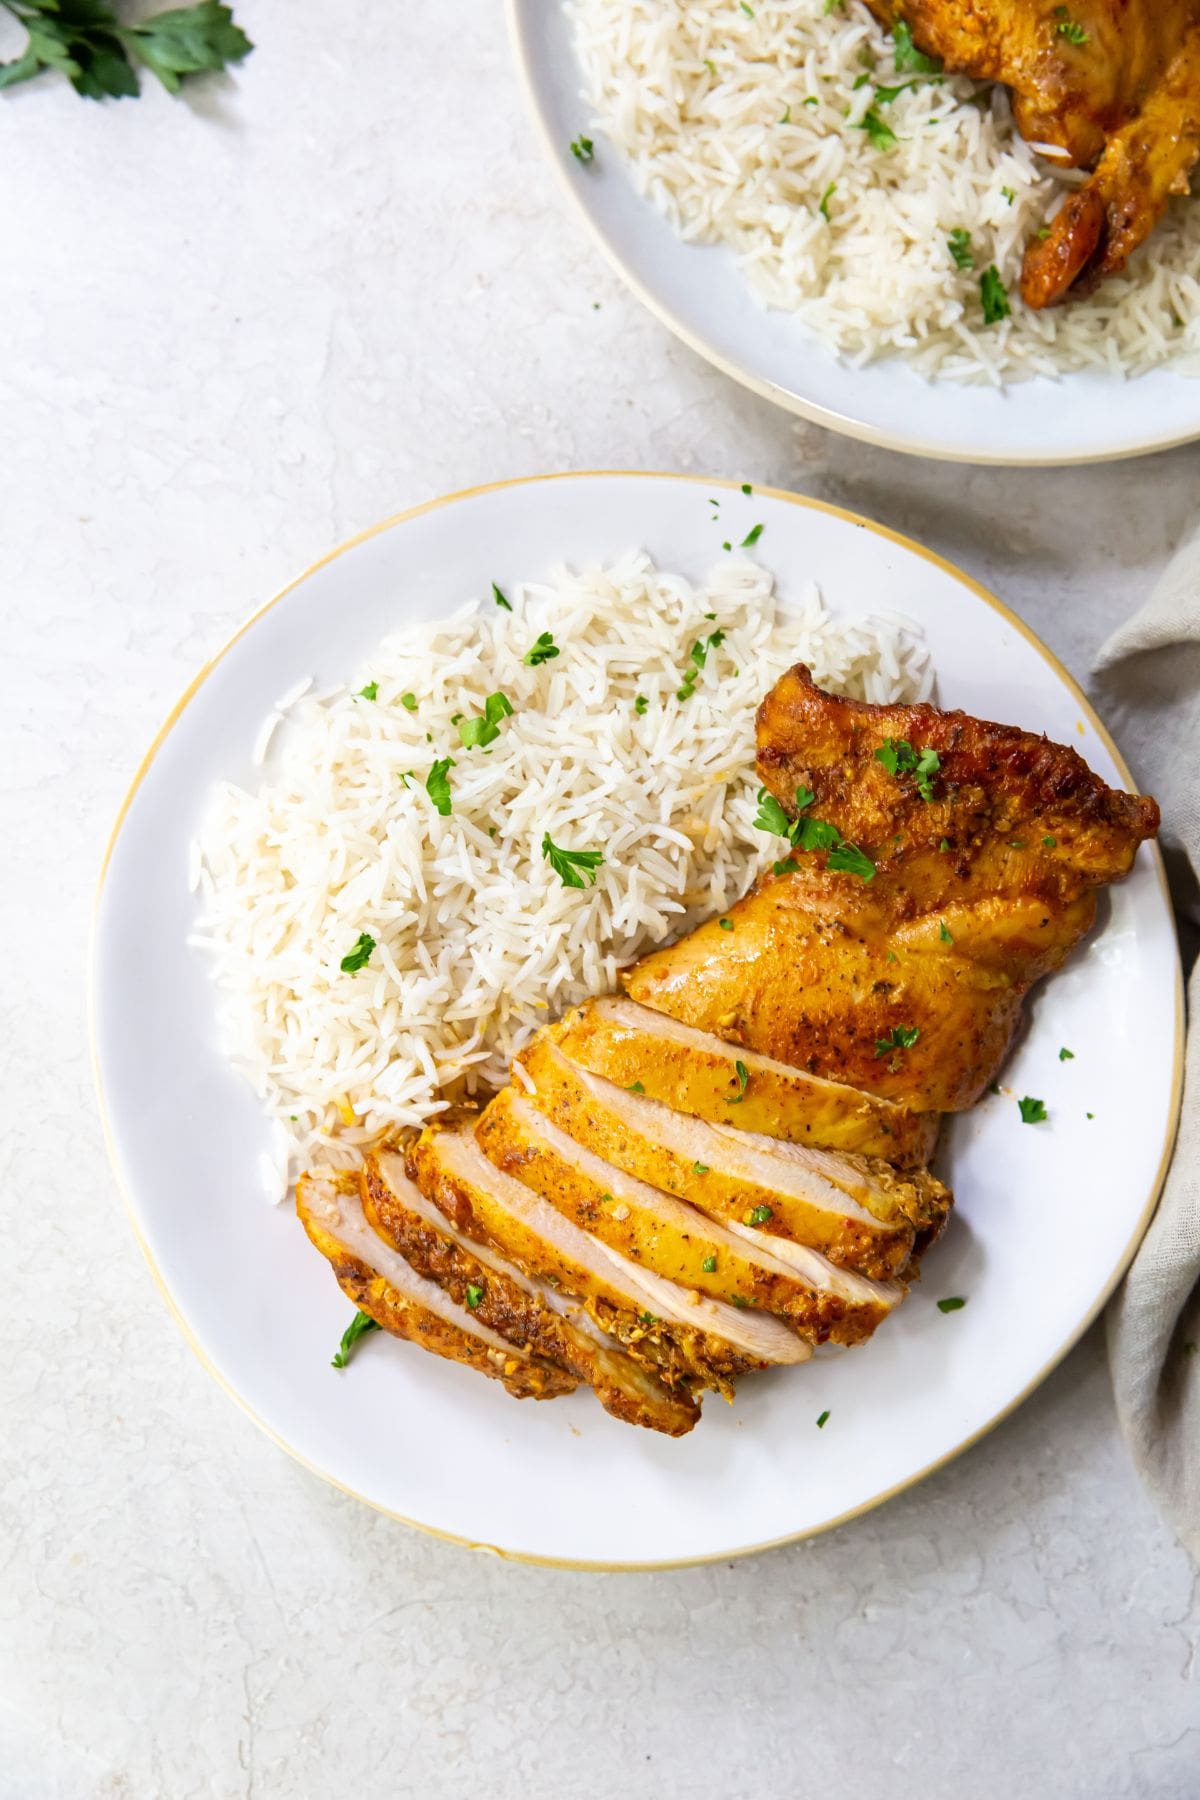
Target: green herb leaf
(635, 1087)
(944, 932)
(786, 867)
(437, 785)
(959, 245)
(499, 598)
(826, 197)
(699, 1168)
(370, 692)
(771, 816)
(358, 1327)
(475, 1293)
(885, 95)
(544, 650)
(85, 41)
(953, 1304)
(1070, 29)
(709, 1265)
(760, 1215)
(1033, 1112)
(1066, 1055)
(568, 864)
(880, 133)
(900, 1037)
(583, 149)
(899, 758)
(742, 1076)
(360, 956)
(848, 859)
(994, 296)
(822, 1419)
(476, 733)
(725, 924)
(1049, 843)
(908, 59)
(640, 705)
(409, 702)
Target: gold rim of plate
(1068, 1344)
(775, 391)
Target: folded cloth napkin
(1147, 680)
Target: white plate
(698, 291)
(1048, 1216)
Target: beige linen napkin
(1148, 684)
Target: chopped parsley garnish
(748, 10)
(945, 844)
(1050, 843)
(709, 1265)
(499, 598)
(945, 933)
(85, 41)
(640, 705)
(647, 1319)
(1089, 1115)
(635, 1087)
(752, 536)
(571, 866)
(437, 785)
(826, 197)
(1010, 194)
(822, 1419)
(959, 245)
(908, 59)
(370, 692)
(740, 1301)
(360, 956)
(746, 488)
(474, 1294)
(811, 834)
(699, 1168)
(760, 1215)
(885, 95)
(725, 924)
(409, 702)
(1069, 28)
(699, 655)
(583, 149)
(860, 82)
(994, 296)
(953, 1304)
(881, 134)
(1033, 1112)
(899, 758)
(785, 117)
(544, 650)
(1066, 1055)
(787, 867)
(476, 733)
(358, 1327)
(900, 1037)
(742, 1077)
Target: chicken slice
(681, 1335)
(527, 1313)
(674, 1240)
(381, 1284)
(695, 1072)
(862, 1215)
(908, 984)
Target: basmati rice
(757, 128)
(476, 939)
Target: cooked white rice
(478, 941)
(739, 121)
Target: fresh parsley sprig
(899, 758)
(358, 1327)
(568, 864)
(476, 734)
(85, 41)
(811, 834)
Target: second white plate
(1047, 1215)
(699, 292)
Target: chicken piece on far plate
(1113, 83)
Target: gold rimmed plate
(1047, 1219)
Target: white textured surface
(237, 330)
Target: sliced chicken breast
(381, 1284)
(674, 1240)
(682, 1335)
(527, 1313)
(856, 1212)
(695, 1072)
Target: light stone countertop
(237, 329)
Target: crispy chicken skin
(696, 1073)
(399, 1300)
(1116, 83)
(822, 968)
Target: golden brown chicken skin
(1115, 83)
(908, 984)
